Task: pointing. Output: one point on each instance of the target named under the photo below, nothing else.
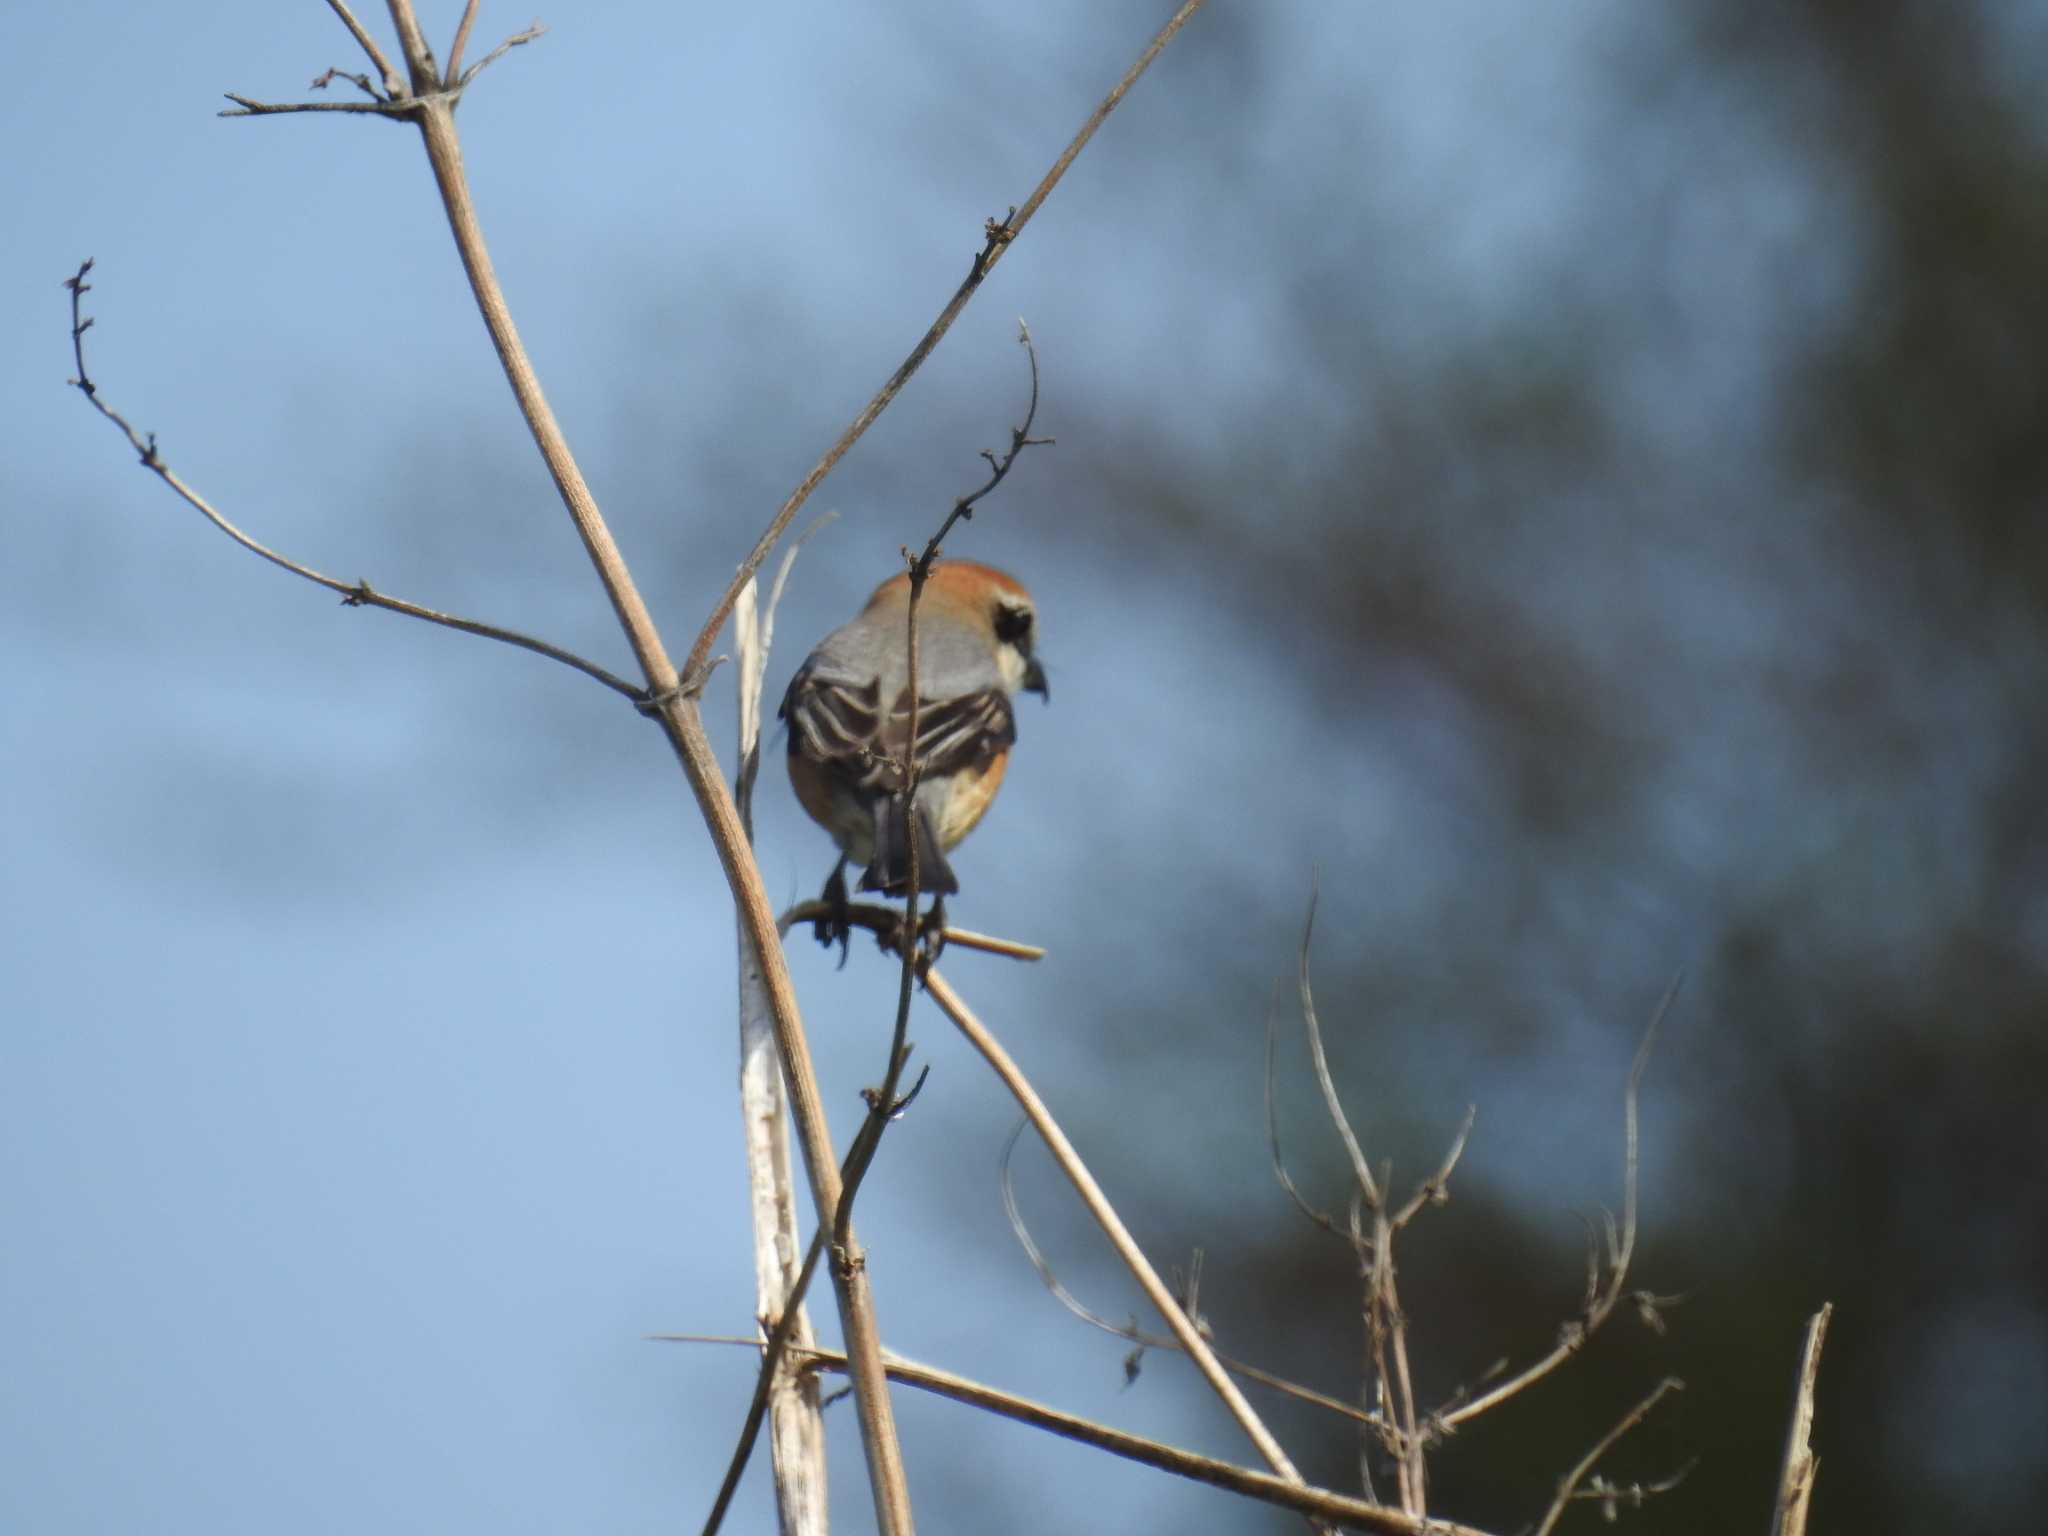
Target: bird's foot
(836, 926)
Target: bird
(848, 712)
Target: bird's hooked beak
(1034, 679)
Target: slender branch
(787, 1332)
(412, 42)
(1299, 1497)
(1567, 1485)
(516, 40)
(774, 1351)
(393, 85)
(1619, 1252)
(1796, 1478)
(1360, 1170)
(1131, 1333)
(1436, 1189)
(882, 1102)
(1120, 1239)
(354, 594)
(999, 469)
(1414, 1465)
(402, 109)
(999, 236)
(327, 77)
(1322, 1219)
(453, 73)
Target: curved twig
(354, 594)
(1106, 1218)
(1567, 1487)
(1131, 1333)
(1612, 1263)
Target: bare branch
(354, 594)
(1436, 1189)
(999, 236)
(516, 40)
(1020, 439)
(361, 82)
(1120, 1239)
(1130, 1332)
(1360, 1170)
(1319, 1218)
(1796, 1477)
(1321, 1503)
(774, 1351)
(393, 85)
(1606, 1277)
(400, 110)
(453, 73)
(1568, 1485)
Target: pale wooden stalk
(796, 1430)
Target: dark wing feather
(957, 733)
(833, 720)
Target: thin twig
(399, 110)
(1568, 1484)
(1112, 1226)
(1413, 1446)
(1360, 1170)
(361, 82)
(1796, 1477)
(1301, 1498)
(1321, 1219)
(1613, 1264)
(453, 72)
(883, 1105)
(998, 237)
(517, 40)
(999, 468)
(1131, 1333)
(354, 594)
(1436, 1189)
(393, 85)
(774, 1350)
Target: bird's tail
(889, 870)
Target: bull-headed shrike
(848, 709)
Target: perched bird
(848, 709)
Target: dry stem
(1568, 1485)
(1607, 1261)
(1795, 1479)
(797, 1445)
(1120, 1239)
(1131, 1333)
(1321, 1503)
